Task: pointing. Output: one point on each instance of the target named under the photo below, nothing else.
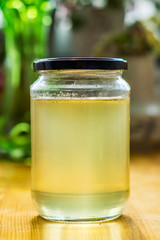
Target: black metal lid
(80, 63)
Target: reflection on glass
(119, 229)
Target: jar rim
(80, 63)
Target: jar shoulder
(80, 87)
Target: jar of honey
(80, 138)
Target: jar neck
(80, 84)
(77, 74)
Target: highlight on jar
(80, 124)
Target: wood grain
(140, 221)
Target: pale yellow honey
(80, 157)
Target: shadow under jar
(80, 138)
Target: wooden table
(140, 221)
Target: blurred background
(31, 29)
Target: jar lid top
(80, 63)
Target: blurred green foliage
(26, 29)
(134, 40)
(16, 145)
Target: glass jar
(80, 138)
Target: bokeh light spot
(46, 6)
(15, 4)
(47, 20)
(32, 13)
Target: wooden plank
(140, 221)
